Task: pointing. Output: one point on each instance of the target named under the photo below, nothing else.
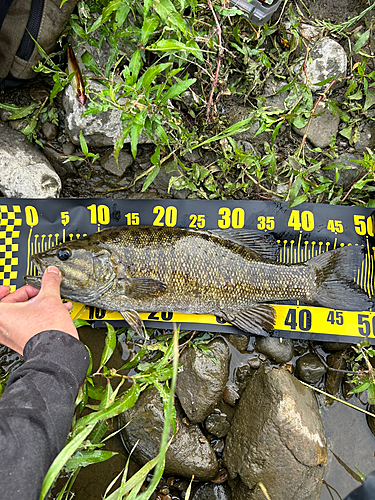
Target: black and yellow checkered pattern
(9, 220)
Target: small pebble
(230, 395)
(309, 368)
(49, 130)
(69, 148)
(277, 349)
(4, 115)
(217, 445)
(254, 363)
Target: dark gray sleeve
(36, 411)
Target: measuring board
(31, 226)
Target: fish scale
(131, 269)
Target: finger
(4, 291)
(21, 295)
(51, 282)
(68, 305)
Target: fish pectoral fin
(141, 288)
(263, 245)
(259, 319)
(134, 321)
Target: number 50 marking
(365, 328)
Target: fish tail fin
(336, 272)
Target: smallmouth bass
(227, 273)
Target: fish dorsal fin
(264, 245)
(134, 321)
(141, 288)
(258, 320)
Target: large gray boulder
(202, 379)
(277, 438)
(189, 452)
(24, 171)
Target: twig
(354, 183)
(262, 187)
(312, 116)
(338, 399)
(220, 51)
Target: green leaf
(370, 100)
(149, 76)
(24, 111)
(177, 89)
(83, 143)
(298, 200)
(135, 64)
(88, 457)
(122, 404)
(62, 458)
(357, 96)
(151, 177)
(346, 132)
(111, 7)
(371, 394)
(110, 344)
(174, 46)
(362, 40)
(90, 63)
(80, 322)
(360, 388)
(149, 27)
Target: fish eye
(64, 254)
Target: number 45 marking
(335, 318)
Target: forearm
(36, 411)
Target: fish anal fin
(141, 288)
(134, 321)
(259, 319)
(264, 245)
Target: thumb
(51, 282)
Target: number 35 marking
(266, 223)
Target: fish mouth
(35, 280)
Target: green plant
(364, 379)
(88, 434)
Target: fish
(232, 274)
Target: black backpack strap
(4, 7)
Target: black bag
(21, 21)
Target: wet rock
(348, 170)
(100, 129)
(49, 130)
(217, 424)
(59, 163)
(24, 171)
(334, 378)
(201, 382)
(125, 160)
(162, 181)
(322, 127)
(218, 445)
(230, 395)
(336, 346)
(239, 342)
(274, 100)
(310, 369)
(254, 363)
(366, 138)
(210, 491)
(327, 59)
(309, 33)
(189, 452)
(278, 350)
(277, 433)
(69, 148)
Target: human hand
(28, 311)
